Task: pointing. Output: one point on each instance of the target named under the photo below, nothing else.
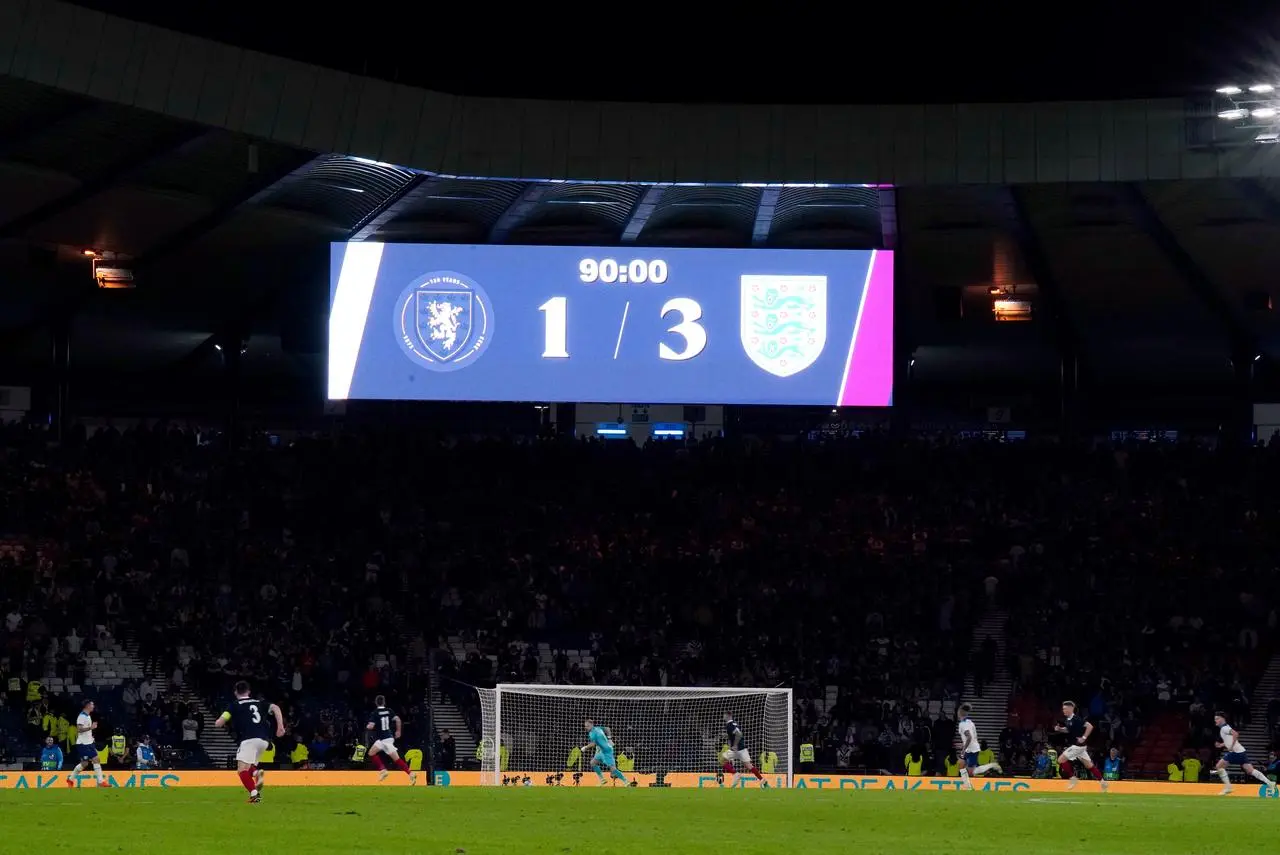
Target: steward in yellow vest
(574, 763)
(357, 756)
(806, 752)
(953, 767)
(769, 762)
(414, 758)
(914, 764)
(625, 763)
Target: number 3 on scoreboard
(687, 327)
(688, 314)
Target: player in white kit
(1233, 752)
(86, 750)
(969, 748)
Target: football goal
(535, 731)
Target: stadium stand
(328, 575)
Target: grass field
(480, 821)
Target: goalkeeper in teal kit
(599, 738)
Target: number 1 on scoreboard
(556, 328)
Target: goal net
(533, 730)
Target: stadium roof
(1153, 283)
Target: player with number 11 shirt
(255, 723)
(384, 725)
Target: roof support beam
(642, 212)
(121, 171)
(1066, 336)
(1037, 258)
(1243, 343)
(888, 217)
(1245, 347)
(764, 215)
(517, 211)
(253, 194)
(393, 206)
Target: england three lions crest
(784, 321)
(444, 321)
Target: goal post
(532, 729)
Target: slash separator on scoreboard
(621, 327)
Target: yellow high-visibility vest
(268, 756)
(806, 752)
(574, 762)
(914, 767)
(119, 745)
(769, 762)
(626, 764)
(358, 755)
(414, 758)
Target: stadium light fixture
(1255, 108)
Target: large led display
(447, 322)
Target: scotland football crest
(444, 321)
(784, 321)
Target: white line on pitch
(621, 327)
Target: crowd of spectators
(327, 569)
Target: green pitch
(424, 821)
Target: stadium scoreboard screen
(445, 322)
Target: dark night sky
(911, 53)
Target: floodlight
(1260, 88)
(1228, 90)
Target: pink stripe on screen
(869, 374)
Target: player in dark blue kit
(252, 720)
(737, 750)
(384, 725)
(1078, 732)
